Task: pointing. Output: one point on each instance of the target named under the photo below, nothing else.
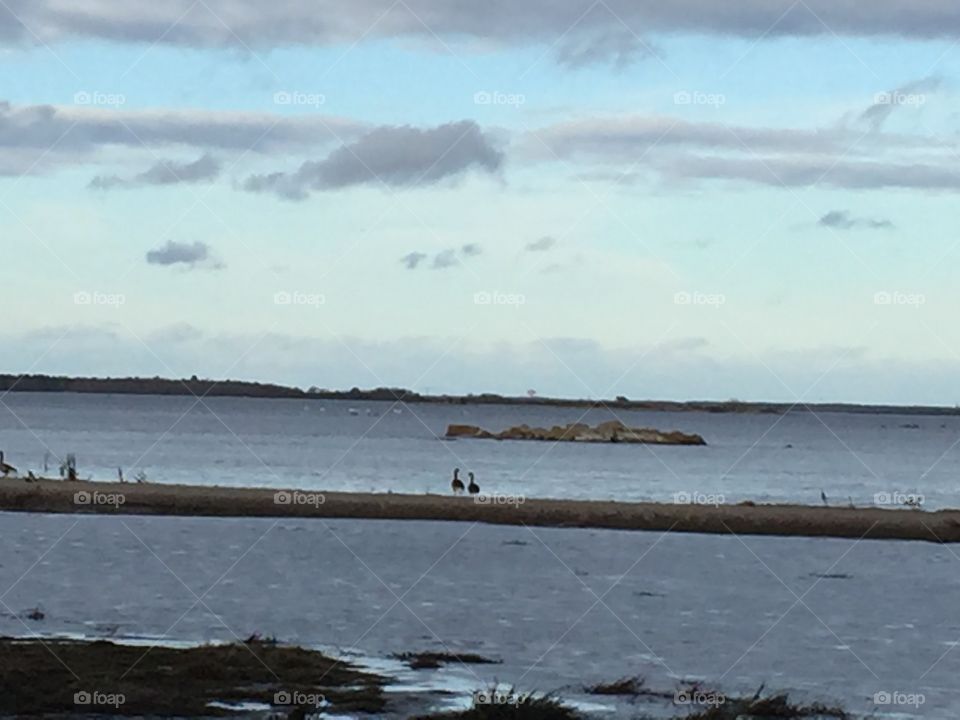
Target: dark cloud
(188, 254)
(911, 94)
(165, 172)
(37, 138)
(389, 155)
(842, 220)
(471, 250)
(445, 259)
(257, 24)
(541, 245)
(412, 260)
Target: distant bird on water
(5, 467)
(457, 484)
(472, 488)
(823, 496)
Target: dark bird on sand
(823, 496)
(457, 484)
(472, 488)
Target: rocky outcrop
(612, 431)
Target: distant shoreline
(200, 388)
(56, 496)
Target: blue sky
(526, 204)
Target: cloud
(189, 254)
(842, 220)
(471, 250)
(607, 30)
(37, 138)
(412, 260)
(395, 156)
(165, 172)
(541, 245)
(912, 94)
(445, 259)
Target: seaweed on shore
(77, 678)
(544, 707)
(774, 707)
(432, 660)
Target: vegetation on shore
(241, 388)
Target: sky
(685, 200)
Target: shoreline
(112, 498)
(201, 387)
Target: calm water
(828, 619)
(322, 445)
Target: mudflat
(56, 496)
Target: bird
(472, 488)
(5, 467)
(823, 496)
(457, 484)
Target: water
(828, 619)
(323, 445)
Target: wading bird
(5, 467)
(472, 488)
(457, 484)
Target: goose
(457, 484)
(823, 496)
(472, 488)
(5, 467)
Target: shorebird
(5, 467)
(472, 488)
(823, 496)
(457, 484)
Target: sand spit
(745, 519)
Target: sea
(869, 625)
